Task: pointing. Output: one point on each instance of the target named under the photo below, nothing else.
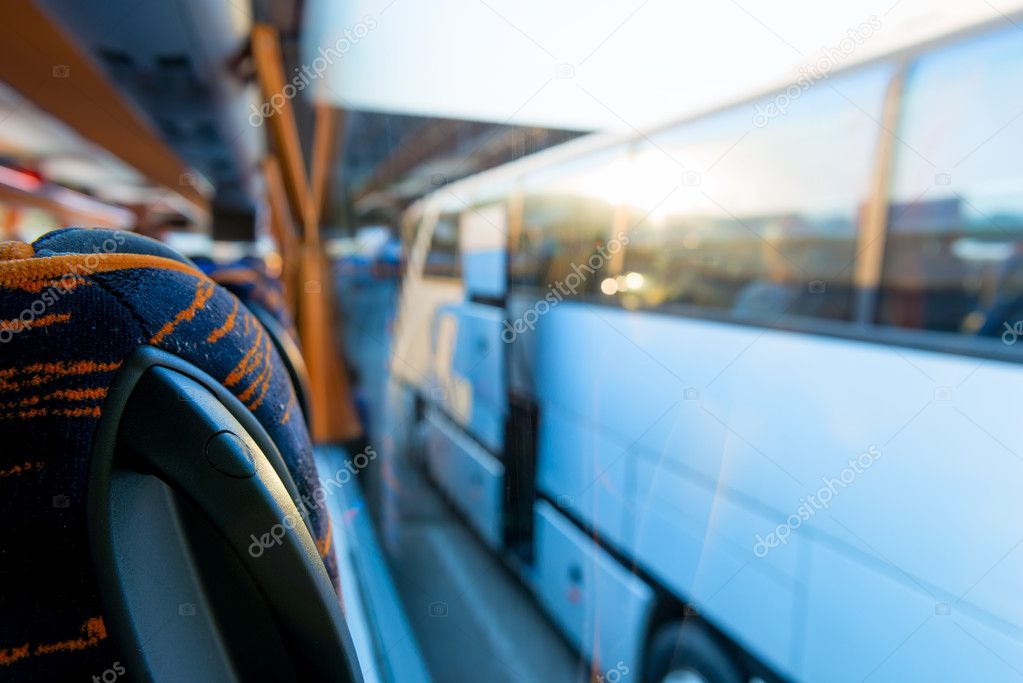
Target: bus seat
(248, 279)
(263, 295)
(162, 513)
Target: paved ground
(474, 620)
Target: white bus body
(784, 398)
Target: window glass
(755, 210)
(442, 259)
(954, 255)
(567, 217)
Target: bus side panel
(468, 370)
(472, 478)
(906, 454)
(479, 358)
(870, 623)
(581, 469)
(601, 607)
(909, 456)
(484, 272)
(697, 543)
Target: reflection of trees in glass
(754, 266)
(952, 255)
(559, 232)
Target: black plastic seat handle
(187, 438)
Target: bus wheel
(689, 653)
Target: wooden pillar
(333, 414)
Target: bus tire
(688, 647)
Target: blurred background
(849, 170)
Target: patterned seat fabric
(73, 306)
(249, 280)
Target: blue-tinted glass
(755, 210)
(954, 256)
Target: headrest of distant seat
(263, 294)
(73, 306)
(248, 279)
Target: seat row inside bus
(158, 518)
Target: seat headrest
(73, 306)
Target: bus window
(954, 255)
(749, 214)
(567, 219)
(442, 259)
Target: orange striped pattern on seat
(68, 321)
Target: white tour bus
(735, 397)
